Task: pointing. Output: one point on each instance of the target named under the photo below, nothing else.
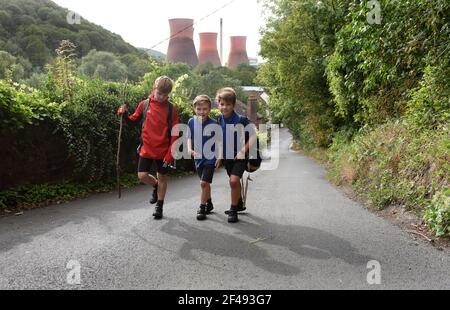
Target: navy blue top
(198, 146)
(234, 120)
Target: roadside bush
(437, 215)
(392, 164)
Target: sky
(144, 23)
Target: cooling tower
(208, 49)
(181, 44)
(238, 51)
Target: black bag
(254, 163)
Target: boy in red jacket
(157, 138)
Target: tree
(84, 43)
(37, 51)
(296, 42)
(6, 62)
(6, 21)
(137, 66)
(44, 13)
(16, 68)
(211, 82)
(172, 70)
(103, 65)
(374, 66)
(14, 9)
(244, 73)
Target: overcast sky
(144, 23)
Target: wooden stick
(258, 240)
(242, 191)
(418, 233)
(246, 190)
(118, 157)
(123, 94)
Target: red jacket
(155, 135)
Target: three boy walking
(158, 139)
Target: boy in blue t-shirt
(205, 158)
(235, 154)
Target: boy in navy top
(236, 153)
(201, 130)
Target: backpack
(253, 164)
(144, 116)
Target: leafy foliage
(41, 194)
(296, 42)
(392, 164)
(21, 106)
(429, 106)
(32, 30)
(437, 215)
(374, 66)
(375, 94)
(15, 68)
(103, 65)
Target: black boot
(209, 207)
(240, 207)
(233, 215)
(201, 214)
(154, 198)
(158, 210)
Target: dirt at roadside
(408, 221)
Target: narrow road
(300, 232)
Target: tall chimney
(208, 49)
(221, 40)
(181, 45)
(252, 104)
(238, 51)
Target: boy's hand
(195, 155)
(122, 110)
(218, 163)
(240, 155)
(168, 159)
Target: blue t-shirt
(234, 120)
(198, 146)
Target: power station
(182, 48)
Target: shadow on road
(303, 241)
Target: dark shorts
(145, 165)
(235, 167)
(206, 173)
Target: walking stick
(118, 157)
(244, 189)
(119, 140)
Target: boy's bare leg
(235, 184)
(146, 178)
(206, 192)
(162, 186)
